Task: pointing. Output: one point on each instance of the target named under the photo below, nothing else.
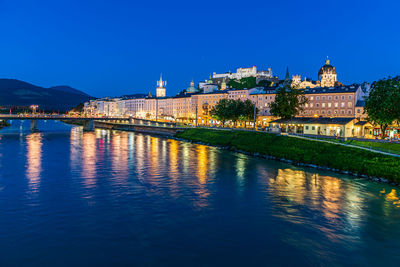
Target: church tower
(223, 84)
(160, 91)
(327, 74)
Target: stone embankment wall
(159, 130)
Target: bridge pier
(34, 126)
(88, 125)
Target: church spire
(287, 76)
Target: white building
(244, 73)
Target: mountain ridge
(14, 92)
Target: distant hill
(18, 93)
(68, 89)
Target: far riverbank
(327, 156)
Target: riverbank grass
(329, 155)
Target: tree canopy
(233, 110)
(288, 102)
(248, 82)
(383, 103)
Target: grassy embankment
(302, 151)
(385, 147)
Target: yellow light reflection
(34, 160)
(202, 163)
(89, 159)
(173, 159)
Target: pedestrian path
(348, 145)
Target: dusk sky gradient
(111, 48)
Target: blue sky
(110, 48)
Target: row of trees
(383, 103)
(234, 110)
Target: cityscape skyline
(112, 50)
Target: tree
(288, 102)
(221, 111)
(78, 108)
(382, 104)
(248, 82)
(247, 110)
(265, 83)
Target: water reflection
(202, 163)
(120, 156)
(34, 159)
(142, 189)
(89, 159)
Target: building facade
(327, 77)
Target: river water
(69, 197)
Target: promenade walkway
(343, 144)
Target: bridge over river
(87, 122)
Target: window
(323, 98)
(358, 111)
(323, 112)
(317, 105)
(312, 98)
(342, 105)
(329, 98)
(317, 97)
(343, 97)
(349, 104)
(306, 105)
(350, 97)
(349, 111)
(313, 128)
(306, 127)
(336, 97)
(323, 105)
(329, 112)
(342, 111)
(336, 104)
(329, 105)
(311, 105)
